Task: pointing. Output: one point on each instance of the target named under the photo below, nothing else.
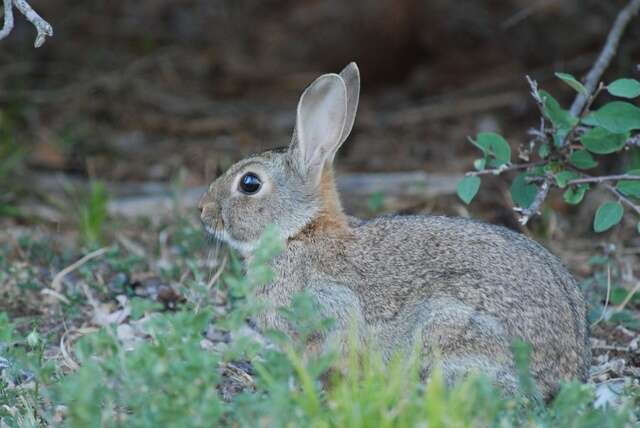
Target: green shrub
(565, 149)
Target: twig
(622, 198)
(627, 299)
(66, 355)
(633, 141)
(504, 168)
(607, 53)
(583, 113)
(606, 300)
(56, 284)
(603, 179)
(53, 293)
(43, 28)
(523, 14)
(218, 272)
(534, 92)
(8, 19)
(534, 208)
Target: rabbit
(463, 288)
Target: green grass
(93, 214)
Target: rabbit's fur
(465, 289)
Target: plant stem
(622, 198)
(504, 168)
(534, 208)
(603, 179)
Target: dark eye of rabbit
(250, 183)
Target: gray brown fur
(463, 288)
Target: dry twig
(628, 298)
(607, 53)
(504, 168)
(628, 202)
(603, 178)
(56, 284)
(606, 301)
(43, 28)
(534, 208)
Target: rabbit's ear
(322, 112)
(351, 76)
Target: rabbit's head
(293, 187)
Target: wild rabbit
(464, 288)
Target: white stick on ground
(43, 28)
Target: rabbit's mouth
(215, 229)
(219, 234)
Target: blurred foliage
(92, 213)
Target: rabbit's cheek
(239, 220)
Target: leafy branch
(569, 141)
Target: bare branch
(534, 208)
(628, 202)
(534, 91)
(607, 53)
(8, 19)
(504, 168)
(603, 179)
(633, 141)
(43, 28)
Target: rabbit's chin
(245, 248)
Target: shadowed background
(144, 92)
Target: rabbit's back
(474, 286)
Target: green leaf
(494, 145)
(630, 187)
(561, 118)
(601, 141)
(617, 117)
(638, 227)
(559, 137)
(608, 215)
(544, 151)
(624, 318)
(564, 176)
(582, 159)
(573, 82)
(624, 88)
(619, 294)
(468, 187)
(574, 194)
(522, 192)
(480, 164)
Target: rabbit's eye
(250, 183)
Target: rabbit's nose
(207, 211)
(202, 202)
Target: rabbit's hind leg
(465, 340)
(456, 369)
